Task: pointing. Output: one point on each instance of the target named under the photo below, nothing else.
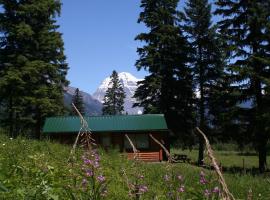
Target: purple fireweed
(203, 180)
(143, 188)
(207, 193)
(84, 182)
(166, 177)
(181, 188)
(141, 177)
(91, 181)
(104, 193)
(89, 173)
(216, 190)
(100, 178)
(180, 177)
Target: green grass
(39, 170)
(228, 159)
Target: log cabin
(109, 132)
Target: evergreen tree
(246, 25)
(77, 100)
(168, 87)
(32, 63)
(207, 63)
(114, 97)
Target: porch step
(148, 157)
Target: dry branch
(226, 195)
(84, 132)
(135, 150)
(163, 147)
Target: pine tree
(246, 25)
(114, 97)
(33, 66)
(168, 87)
(77, 100)
(207, 61)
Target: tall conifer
(77, 100)
(246, 25)
(114, 97)
(207, 63)
(33, 66)
(168, 87)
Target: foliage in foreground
(40, 170)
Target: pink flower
(101, 178)
(96, 164)
(89, 173)
(84, 182)
(143, 188)
(216, 190)
(141, 177)
(207, 193)
(180, 178)
(202, 173)
(104, 193)
(166, 178)
(203, 181)
(181, 189)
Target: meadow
(32, 169)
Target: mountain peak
(129, 83)
(127, 76)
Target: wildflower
(87, 161)
(141, 177)
(143, 188)
(207, 193)
(166, 177)
(179, 177)
(84, 182)
(202, 173)
(96, 164)
(181, 189)
(216, 190)
(101, 178)
(89, 173)
(104, 193)
(203, 181)
(11, 138)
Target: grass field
(229, 160)
(40, 170)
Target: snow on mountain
(129, 83)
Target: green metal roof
(106, 123)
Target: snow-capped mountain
(129, 83)
(91, 105)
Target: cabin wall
(117, 140)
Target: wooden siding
(147, 156)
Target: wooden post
(162, 146)
(135, 150)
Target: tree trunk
(201, 108)
(201, 150)
(262, 153)
(38, 125)
(11, 119)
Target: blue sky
(99, 37)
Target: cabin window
(106, 140)
(141, 141)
